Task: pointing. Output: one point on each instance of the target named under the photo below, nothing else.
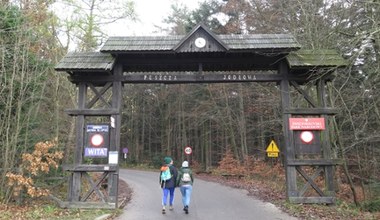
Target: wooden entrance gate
(203, 57)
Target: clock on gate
(200, 42)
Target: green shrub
(372, 206)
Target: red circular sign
(307, 137)
(188, 150)
(97, 140)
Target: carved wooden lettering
(238, 77)
(160, 78)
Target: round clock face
(200, 42)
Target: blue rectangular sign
(95, 152)
(97, 128)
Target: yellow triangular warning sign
(272, 148)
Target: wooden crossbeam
(308, 98)
(88, 205)
(93, 112)
(326, 200)
(90, 168)
(311, 111)
(310, 181)
(99, 94)
(313, 177)
(95, 187)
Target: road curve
(210, 201)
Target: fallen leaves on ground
(273, 190)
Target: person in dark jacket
(185, 181)
(168, 186)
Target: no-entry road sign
(188, 150)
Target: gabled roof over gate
(280, 43)
(264, 42)
(202, 41)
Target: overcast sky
(150, 12)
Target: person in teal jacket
(168, 186)
(185, 181)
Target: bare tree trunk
(242, 124)
(345, 167)
(229, 126)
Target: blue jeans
(186, 194)
(165, 192)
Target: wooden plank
(85, 77)
(186, 77)
(202, 78)
(311, 111)
(206, 77)
(70, 189)
(88, 205)
(221, 59)
(314, 162)
(90, 168)
(315, 200)
(113, 189)
(92, 112)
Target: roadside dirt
(265, 192)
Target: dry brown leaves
(33, 164)
(267, 182)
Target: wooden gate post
(326, 143)
(75, 177)
(291, 185)
(117, 95)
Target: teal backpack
(165, 174)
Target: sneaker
(186, 209)
(171, 208)
(163, 210)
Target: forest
(160, 120)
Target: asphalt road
(210, 201)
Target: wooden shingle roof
(167, 43)
(260, 41)
(315, 58)
(142, 43)
(86, 61)
(257, 46)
